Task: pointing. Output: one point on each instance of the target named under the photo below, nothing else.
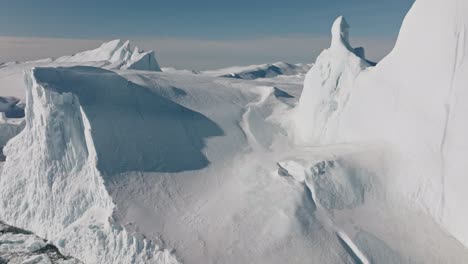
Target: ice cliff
(63, 197)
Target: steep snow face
(326, 84)
(414, 101)
(63, 196)
(260, 71)
(116, 54)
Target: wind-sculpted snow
(413, 104)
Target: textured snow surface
(358, 164)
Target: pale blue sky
(201, 22)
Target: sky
(197, 34)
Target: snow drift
(413, 103)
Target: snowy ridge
(325, 87)
(56, 154)
(116, 54)
(415, 108)
(260, 71)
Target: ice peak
(114, 43)
(340, 33)
(328, 82)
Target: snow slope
(412, 102)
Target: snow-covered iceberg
(122, 167)
(413, 104)
(116, 54)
